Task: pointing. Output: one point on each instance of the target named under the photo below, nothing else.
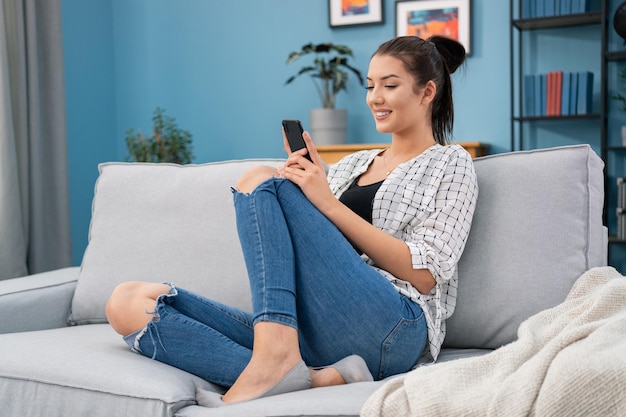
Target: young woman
(356, 268)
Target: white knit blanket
(569, 360)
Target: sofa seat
(62, 372)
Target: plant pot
(328, 126)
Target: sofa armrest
(37, 302)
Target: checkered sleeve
(443, 211)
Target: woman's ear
(430, 91)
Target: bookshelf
(594, 29)
(519, 27)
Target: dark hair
(432, 59)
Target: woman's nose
(374, 97)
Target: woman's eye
(391, 87)
(369, 87)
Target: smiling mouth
(382, 113)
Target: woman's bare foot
(326, 377)
(275, 353)
(348, 370)
(258, 377)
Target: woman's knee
(129, 303)
(254, 176)
(119, 302)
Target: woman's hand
(309, 176)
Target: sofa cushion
(536, 229)
(163, 222)
(64, 372)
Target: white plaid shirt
(428, 202)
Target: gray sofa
(537, 228)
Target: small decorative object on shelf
(619, 21)
(169, 143)
(329, 73)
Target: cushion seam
(39, 288)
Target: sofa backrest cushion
(537, 227)
(163, 222)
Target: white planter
(328, 126)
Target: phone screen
(293, 131)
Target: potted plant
(168, 143)
(329, 72)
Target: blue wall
(219, 68)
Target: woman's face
(396, 104)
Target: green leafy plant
(618, 96)
(169, 143)
(329, 69)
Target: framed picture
(425, 18)
(355, 12)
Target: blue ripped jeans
(303, 273)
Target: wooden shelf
(333, 153)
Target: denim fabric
(303, 273)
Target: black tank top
(360, 199)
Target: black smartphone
(293, 131)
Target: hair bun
(452, 52)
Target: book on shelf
(558, 93)
(586, 6)
(543, 82)
(528, 9)
(585, 92)
(565, 93)
(555, 88)
(621, 223)
(529, 89)
(573, 93)
(550, 86)
(539, 9)
(538, 84)
(548, 8)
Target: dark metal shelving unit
(518, 120)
